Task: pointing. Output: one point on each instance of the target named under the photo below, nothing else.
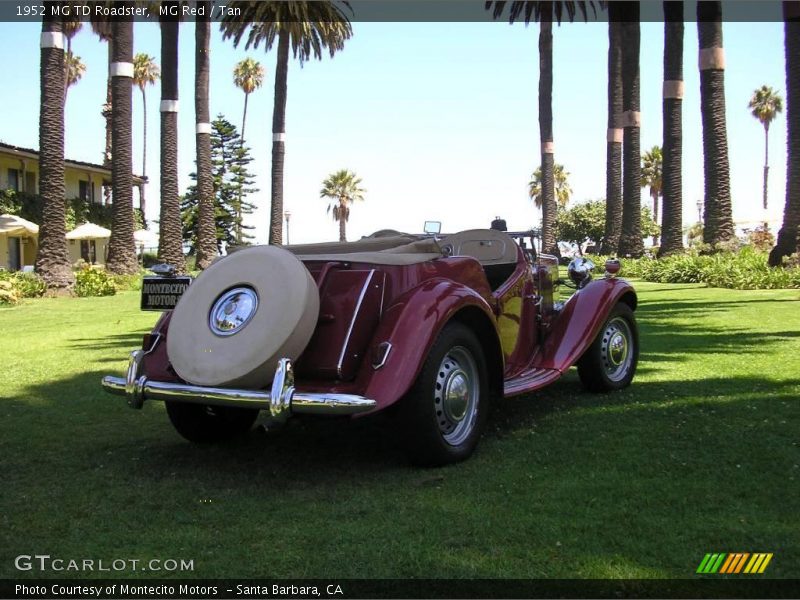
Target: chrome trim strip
(386, 348)
(281, 401)
(353, 322)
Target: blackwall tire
(609, 364)
(433, 433)
(285, 315)
(208, 424)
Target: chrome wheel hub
(615, 349)
(456, 395)
(233, 310)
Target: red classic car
(432, 325)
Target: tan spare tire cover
(281, 326)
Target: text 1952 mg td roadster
(434, 326)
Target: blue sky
(439, 119)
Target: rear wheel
(445, 412)
(610, 362)
(208, 424)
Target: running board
(530, 380)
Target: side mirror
(432, 227)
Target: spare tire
(240, 316)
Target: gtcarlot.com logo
(731, 563)
(46, 562)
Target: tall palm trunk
(613, 226)
(342, 222)
(549, 245)
(788, 238)
(766, 162)
(244, 114)
(278, 139)
(107, 156)
(170, 248)
(52, 260)
(206, 226)
(121, 246)
(142, 202)
(630, 243)
(718, 225)
(672, 177)
(238, 205)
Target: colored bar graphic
(734, 563)
(765, 563)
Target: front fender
(411, 325)
(580, 320)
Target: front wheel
(203, 424)
(445, 412)
(610, 362)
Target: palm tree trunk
(613, 225)
(142, 203)
(654, 195)
(788, 238)
(121, 246)
(244, 115)
(52, 259)
(630, 243)
(672, 177)
(206, 226)
(342, 222)
(107, 112)
(766, 166)
(718, 225)
(170, 249)
(549, 245)
(278, 138)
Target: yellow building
(19, 171)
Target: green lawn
(699, 455)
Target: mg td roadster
(430, 327)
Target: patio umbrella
(89, 231)
(14, 225)
(143, 237)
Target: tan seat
(487, 246)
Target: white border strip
(673, 89)
(202, 128)
(278, 137)
(52, 39)
(631, 118)
(169, 106)
(121, 69)
(548, 147)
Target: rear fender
(411, 325)
(579, 322)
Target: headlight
(580, 271)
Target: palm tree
(52, 260)
(121, 247)
(788, 235)
(307, 28)
(630, 240)
(562, 190)
(206, 223)
(103, 30)
(342, 189)
(672, 219)
(613, 224)
(74, 70)
(652, 177)
(170, 240)
(718, 225)
(544, 12)
(70, 26)
(145, 72)
(248, 75)
(765, 105)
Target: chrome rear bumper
(281, 401)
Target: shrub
(8, 294)
(745, 269)
(25, 285)
(126, 283)
(149, 259)
(94, 282)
